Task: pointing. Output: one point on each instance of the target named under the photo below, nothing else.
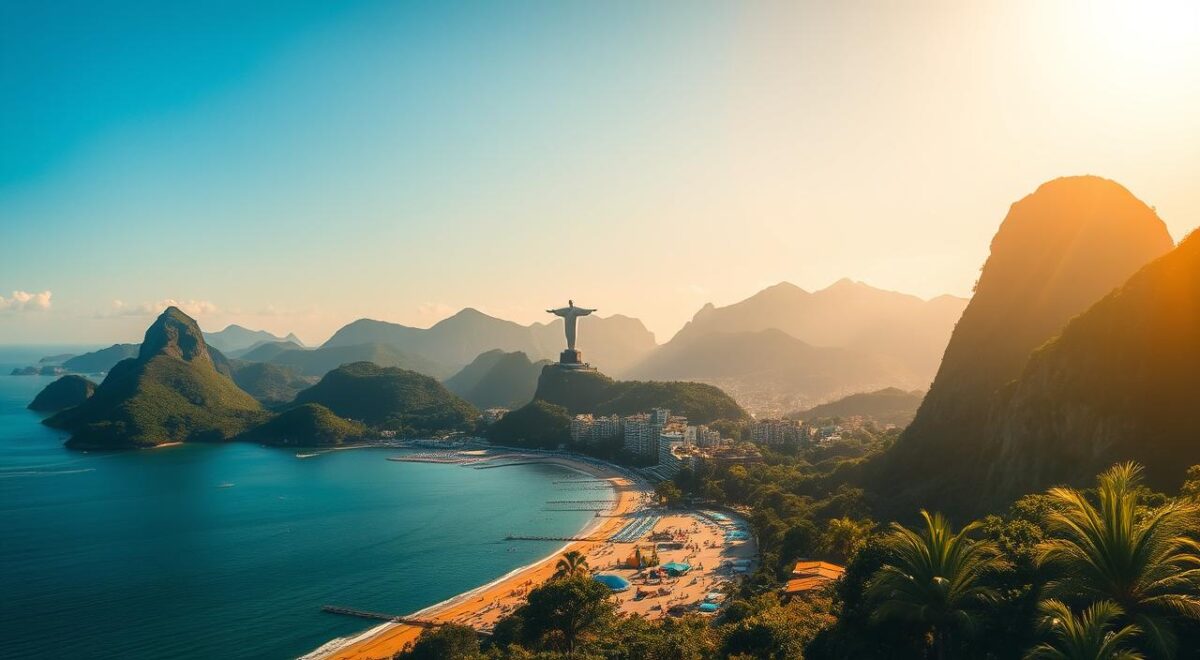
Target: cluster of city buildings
(667, 441)
(669, 444)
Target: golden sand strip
(482, 607)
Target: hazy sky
(294, 166)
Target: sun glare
(1151, 38)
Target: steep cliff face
(1121, 382)
(1058, 251)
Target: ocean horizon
(230, 550)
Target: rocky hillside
(1120, 383)
(610, 342)
(1057, 252)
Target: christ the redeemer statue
(569, 314)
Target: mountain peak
(845, 285)
(175, 334)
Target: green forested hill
(171, 392)
(390, 398)
(585, 391)
(307, 425)
(66, 392)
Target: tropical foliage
(1108, 573)
(1145, 560)
(1089, 636)
(935, 579)
(572, 563)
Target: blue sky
(297, 165)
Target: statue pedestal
(571, 357)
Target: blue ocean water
(153, 554)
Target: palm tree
(934, 578)
(571, 564)
(1086, 637)
(1146, 561)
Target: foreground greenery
(1107, 573)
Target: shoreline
(383, 640)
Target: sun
(1153, 37)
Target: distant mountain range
(102, 360)
(613, 342)
(785, 348)
(780, 350)
(236, 338)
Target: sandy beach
(482, 607)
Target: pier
(380, 616)
(512, 537)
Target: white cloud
(24, 301)
(193, 308)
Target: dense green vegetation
(587, 391)
(1106, 573)
(66, 392)
(307, 425)
(390, 398)
(171, 392)
(539, 424)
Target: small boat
(227, 484)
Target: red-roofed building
(810, 576)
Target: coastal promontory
(308, 425)
(66, 392)
(170, 392)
